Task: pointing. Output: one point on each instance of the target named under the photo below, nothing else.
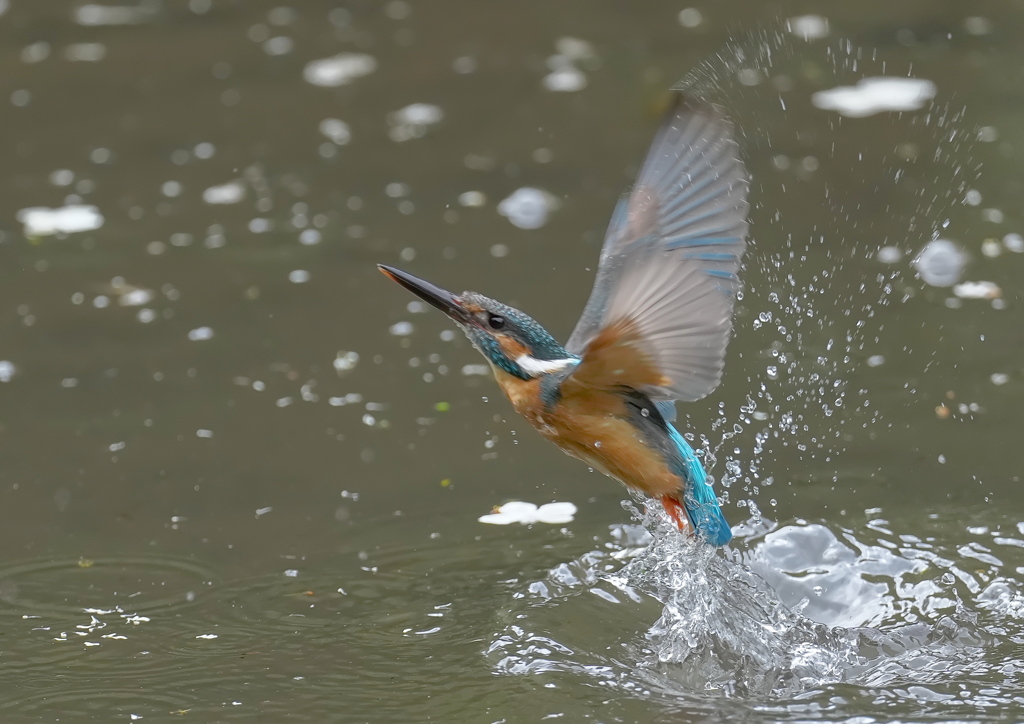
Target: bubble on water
(94, 14)
(171, 189)
(336, 130)
(472, 198)
(413, 121)
(991, 248)
(1014, 243)
(62, 177)
(85, 52)
(977, 25)
(204, 150)
(278, 45)
(528, 208)
(345, 361)
(940, 263)
(36, 52)
(259, 225)
(690, 17)
(889, 254)
(808, 27)
(396, 190)
(309, 237)
(565, 80)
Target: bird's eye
(496, 321)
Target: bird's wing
(660, 314)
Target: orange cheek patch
(511, 347)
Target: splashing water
(802, 619)
(828, 194)
(921, 620)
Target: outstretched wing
(660, 314)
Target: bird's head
(510, 340)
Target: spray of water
(791, 612)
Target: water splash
(759, 624)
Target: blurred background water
(242, 472)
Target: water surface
(242, 472)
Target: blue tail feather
(699, 498)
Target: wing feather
(669, 264)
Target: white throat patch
(536, 367)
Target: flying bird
(654, 330)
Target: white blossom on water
(527, 513)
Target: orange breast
(591, 425)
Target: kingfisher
(654, 330)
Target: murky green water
(241, 474)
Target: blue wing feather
(699, 498)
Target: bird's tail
(699, 499)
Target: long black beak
(433, 295)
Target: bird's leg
(675, 511)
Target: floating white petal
(876, 95)
(42, 221)
(565, 80)
(230, 193)
(526, 513)
(978, 290)
(339, 70)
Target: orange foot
(675, 511)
